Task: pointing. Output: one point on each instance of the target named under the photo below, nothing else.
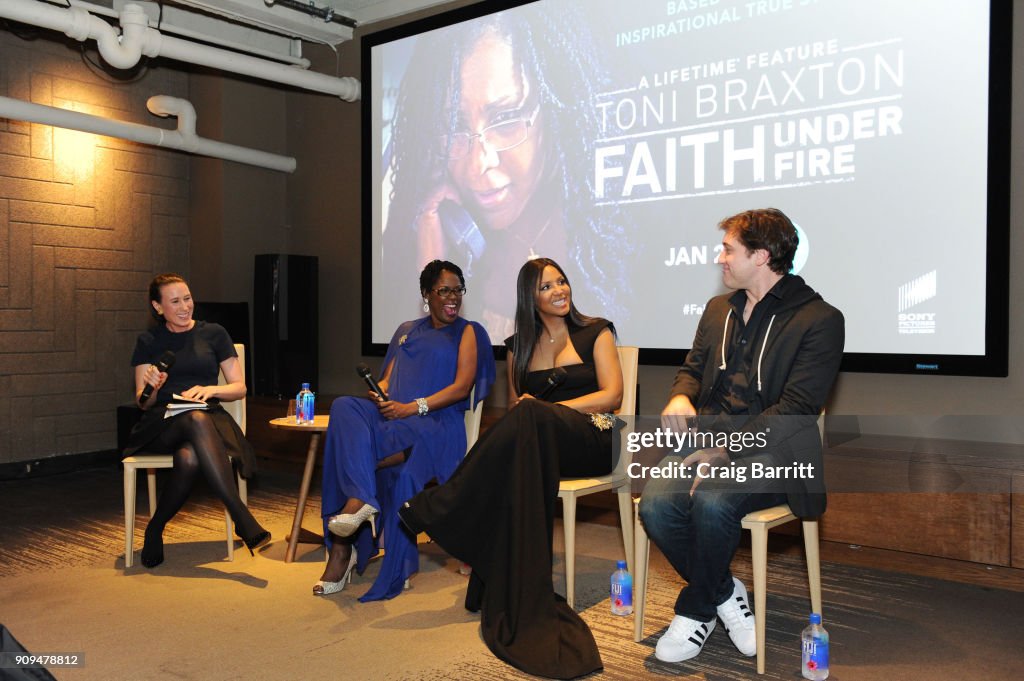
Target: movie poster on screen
(614, 137)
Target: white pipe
(301, 62)
(137, 39)
(346, 88)
(184, 138)
(182, 109)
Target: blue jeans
(699, 534)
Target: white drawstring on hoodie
(764, 344)
(725, 332)
(760, 356)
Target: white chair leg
(759, 557)
(151, 484)
(641, 558)
(230, 528)
(129, 515)
(569, 530)
(626, 521)
(813, 563)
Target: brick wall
(85, 222)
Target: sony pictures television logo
(913, 293)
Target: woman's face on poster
(496, 185)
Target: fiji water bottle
(815, 650)
(304, 405)
(622, 590)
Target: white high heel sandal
(322, 588)
(346, 524)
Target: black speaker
(285, 324)
(234, 317)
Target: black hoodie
(797, 353)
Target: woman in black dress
(205, 440)
(496, 512)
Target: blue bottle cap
(305, 386)
(815, 618)
(620, 565)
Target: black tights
(197, 446)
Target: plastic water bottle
(815, 650)
(309, 404)
(304, 405)
(622, 590)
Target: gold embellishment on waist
(603, 421)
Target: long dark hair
(528, 324)
(559, 57)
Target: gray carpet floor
(63, 588)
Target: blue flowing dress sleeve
(426, 361)
(423, 361)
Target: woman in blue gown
(378, 453)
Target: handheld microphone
(164, 365)
(367, 376)
(555, 379)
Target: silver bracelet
(421, 406)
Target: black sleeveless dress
(497, 514)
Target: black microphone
(555, 379)
(164, 365)
(367, 375)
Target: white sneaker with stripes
(683, 640)
(738, 619)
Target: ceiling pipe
(138, 39)
(326, 12)
(184, 138)
(207, 38)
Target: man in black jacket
(762, 365)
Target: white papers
(182, 404)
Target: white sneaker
(738, 619)
(684, 639)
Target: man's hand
(676, 413)
(713, 457)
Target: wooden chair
(758, 522)
(473, 417)
(151, 462)
(571, 489)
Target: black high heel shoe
(152, 550)
(410, 519)
(257, 541)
